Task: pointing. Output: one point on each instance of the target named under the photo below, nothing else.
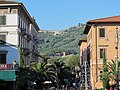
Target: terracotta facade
(101, 36)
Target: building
(85, 83)
(17, 28)
(83, 50)
(54, 32)
(101, 35)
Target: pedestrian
(66, 88)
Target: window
(88, 53)
(100, 75)
(2, 20)
(102, 32)
(101, 52)
(2, 39)
(2, 58)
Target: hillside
(51, 42)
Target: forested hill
(51, 42)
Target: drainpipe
(96, 50)
(86, 84)
(117, 71)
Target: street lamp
(77, 70)
(117, 72)
(47, 83)
(74, 84)
(34, 84)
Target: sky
(62, 14)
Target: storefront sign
(5, 66)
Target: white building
(17, 27)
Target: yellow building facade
(85, 83)
(83, 50)
(101, 36)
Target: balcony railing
(23, 31)
(34, 39)
(26, 51)
(29, 37)
(35, 52)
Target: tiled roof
(113, 19)
(108, 19)
(82, 40)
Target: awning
(3, 52)
(7, 75)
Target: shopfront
(7, 78)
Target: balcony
(23, 31)
(26, 51)
(34, 39)
(29, 37)
(35, 52)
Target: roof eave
(32, 20)
(87, 28)
(23, 7)
(80, 41)
(90, 23)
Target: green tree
(21, 61)
(109, 72)
(105, 77)
(43, 72)
(72, 61)
(67, 41)
(24, 75)
(112, 69)
(36, 72)
(63, 72)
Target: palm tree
(109, 71)
(43, 72)
(105, 77)
(24, 75)
(36, 72)
(63, 72)
(112, 69)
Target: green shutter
(3, 20)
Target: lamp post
(117, 72)
(74, 84)
(86, 85)
(77, 70)
(47, 83)
(34, 84)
